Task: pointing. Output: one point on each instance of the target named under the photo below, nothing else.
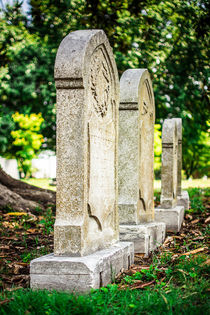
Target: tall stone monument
(136, 159)
(182, 195)
(168, 211)
(86, 248)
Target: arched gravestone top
(169, 164)
(169, 131)
(74, 57)
(136, 147)
(179, 128)
(87, 87)
(131, 83)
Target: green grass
(183, 291)
(192, 183)
(40, 182)
(180, 282)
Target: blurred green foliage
(26, 140)
(170, 38)
(157, 151)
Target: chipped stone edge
(184, 200)
(146, 236)
(80, 274)
(172, 217)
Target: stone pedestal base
(146, 236)
(80, 274)
(184, 200)
(173, 217)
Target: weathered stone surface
(168, 211)
(182, 196)
(86, 232)
(178, 122)
(169, 164)
(184, 200)
(146, 236)
(80, 274)
(87, 88)
(172, 217)
(136, 147)
(136, 156)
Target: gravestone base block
(80, 274)
(184, 200)
(172, 217)
(146, 236)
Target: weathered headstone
(182, 195)
(86, 232)
(168, 197)
(168, 211)
(136, 159)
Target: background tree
(26, 76)
(170, 38)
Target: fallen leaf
(33, 217)
(195, 251)
(207, 262)
(14, 289)
(22, 264)
(139, 255)
(141, 267)
(168, 239)
(177, 237)
(195, 221)
(199, 238)
(17, 213)
(207, 220)
(188, 216)
(17, 269)
(4, 247)
(6, 301)
(143, 285)
(31, 230)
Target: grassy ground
(40, 182)
(193, 183)
(173, 280)
(190, 183)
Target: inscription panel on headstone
(101, 195)
(146, 144)
(101, 143)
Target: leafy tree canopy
(170, 38)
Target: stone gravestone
(136, 159)
(86, 248)
(168, 211)
(182, 195)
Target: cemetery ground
(173, 280)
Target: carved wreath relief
(100, 83)
(101, 139)
(147, 100)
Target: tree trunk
(21, 196)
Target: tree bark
(21, 196)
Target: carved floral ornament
(147, 100)
(100, 83)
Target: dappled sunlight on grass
(190, 183)
(199, 183)
(40, 182)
